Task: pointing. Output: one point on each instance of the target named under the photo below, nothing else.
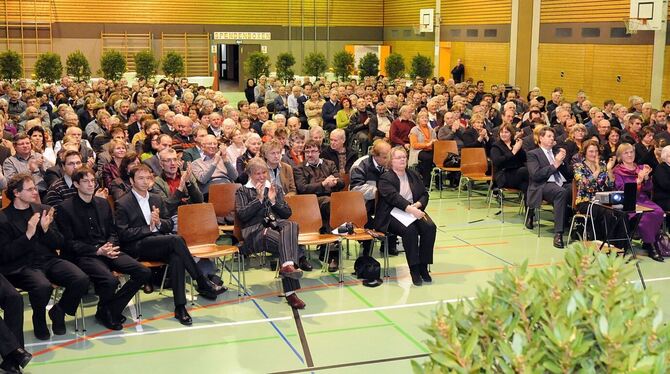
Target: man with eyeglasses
(91, 242)
(63, 188)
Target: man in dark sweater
(63, 188)
(28, 257)
(91, 242)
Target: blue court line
(274, 326)
(485, 251)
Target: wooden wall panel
(224, 12)
(594, 68)
(409, 49)
(666, 75)
(476, 12)
(403, 12)
(554, 11)
(486, 61)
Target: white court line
(251, 322)
(650, 280)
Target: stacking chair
(198, 227)
(501, 197)
(5, 199)
(306, 213)
(473, 169)
(222, 196)
(441, 149)
(349, 206)
(586, 217)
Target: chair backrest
(111, 202)
(473, 161)
(305, 212)
(222, 196)
(574, 195)
(5, 199)
(440, 150)
(237, 229)
(346, 178)
(197, 224)
(348, 206)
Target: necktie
(558, 178)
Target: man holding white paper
(400, 211)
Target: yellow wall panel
(409, 49)
(224, 12)
(666, 75)
(403, 12)
(594, 68)
(486, 61)
(476, 12)
(556, 11)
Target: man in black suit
(144, 230)
(458, 72)
(87, 225)
(28, 257)
(13, 355)
(550, 179)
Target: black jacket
(16, 250)
(331, 154)
(75, 228)
(389, 196)
(661, 181)
(130, 224)
(504, 160)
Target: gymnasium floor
(348, 328)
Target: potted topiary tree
(315, 64)
(343, 64)
(395, 66)
(422, 66)
(146, 64)
(10, 65)
(257, 64)
(48, 68)
(112, 64)
(77, 66)
(368, 65)
(284, 65)
(173, 64)
(580, 316)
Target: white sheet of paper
(402, 216)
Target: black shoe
(215, 279)
(104, 317)
(40, 328)
(416, 278)
(425, 275)
(57, 317)
(8, 366)
(121, 319)
(209, 290)
(182, 315)
(20, 356)
(558, 241)
(332, 266)
(529, 220)
(393, 251)
(303, 263)
(148, 288)
(655, 255)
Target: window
(619, 32)
(407, 33)
(490, 33)
(563, 32)
(590, 32)
(455, 33)
(472, 33)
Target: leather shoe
(332, 266)
(182, 315)
(529, 220)
(121, 318)
(289, 271)
(558, 241)
(104, 317)
(393, 251)
(148, 288)
(416, 278)
(655, 255)
(425, 275)
(210, 290)
(57, 317)
(21, 357)
(40, 328)
(294, 301)
(303, 263)
(8, 366)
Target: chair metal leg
(537, 212)
(167, 267)
(192, 291)
(138, 306)
(501, 196)
(340, 264)
(387, 262)
(460, 184)
(469, 192)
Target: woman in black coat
(509, 160)
(402, 190)
(661, 179)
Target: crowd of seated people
(149, 147)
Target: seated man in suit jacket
(550, 179)
(144, 232)
(338, 153)
(87, 225)
(14, 357)
(281, 173)
(28, 257)
(320, 177)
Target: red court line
(468, 245)
(259, 296)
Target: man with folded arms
(87, 225)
